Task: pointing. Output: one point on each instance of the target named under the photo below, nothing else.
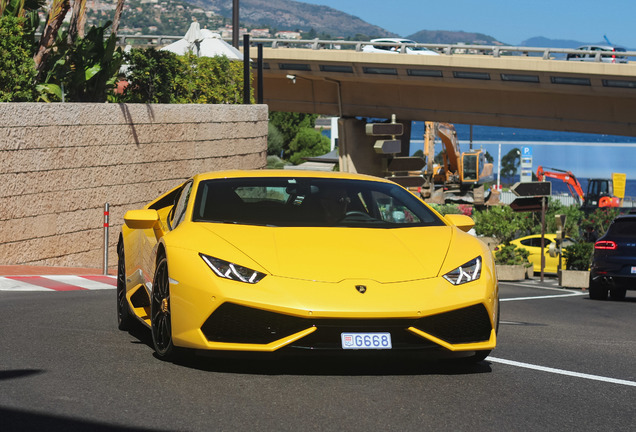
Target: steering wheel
(356, 214)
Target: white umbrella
(203, 43)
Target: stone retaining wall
(60, 163)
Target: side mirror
(462, 222)
(144, 219)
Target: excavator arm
(566, 177)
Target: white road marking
(7, 284)
(80, 282)
(562, 372)
(567, 293)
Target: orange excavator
(599, 191)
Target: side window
(180, 206)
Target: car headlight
(465, 273)
(228, 270)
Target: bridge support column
(356, 151)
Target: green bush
(578, 256)
(156, 76)
(512, 255)
(209, 80)
(308, 142)
(151, 75)
(502, 223)
(17, 69)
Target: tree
(510, 163)
(274, 140)
(308, 142)
(289, 123)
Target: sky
(509, 21)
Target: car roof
(603, 47)
(286, 174)
(399, 40)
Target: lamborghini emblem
(361, 288)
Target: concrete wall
(60, 163)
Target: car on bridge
(394, 46)
(609, 54)
(276, 261)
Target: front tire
(124, 317)
(161, 320)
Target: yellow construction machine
(461, 176)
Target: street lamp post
(235, 23)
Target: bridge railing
(446, 49)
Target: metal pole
(247, 85)
(543, 200)
(499, 168)
(106, 226)
(235, 23)
(259, 65)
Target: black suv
(613, 267)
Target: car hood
(336, 254)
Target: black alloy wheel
(124, 318)
(161, 322)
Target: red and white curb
(57, 283)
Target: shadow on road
(18, 420)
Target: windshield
(317, 202)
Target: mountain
(452, 37)
(293, 15)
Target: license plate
(633, 270)
(366, 340)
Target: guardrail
(446, 49)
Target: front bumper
(211, 313)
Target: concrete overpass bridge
(482, 85)
(523, 91)
(511, 91)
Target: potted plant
(511, 263)
(577, 263)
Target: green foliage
(209, 80)
(512, 255)
(85, 69)
(289, 123)
(502, 223)
(275, 143)
(163, 77)
(578, 256)
(308, 142)
(510, 162)
(17, 70)
(445, 209)
(572, 223)
(274, 162)
(599, 220)
(151, 75)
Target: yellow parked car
(286, 260)
(532, 244)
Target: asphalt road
(563, 362)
